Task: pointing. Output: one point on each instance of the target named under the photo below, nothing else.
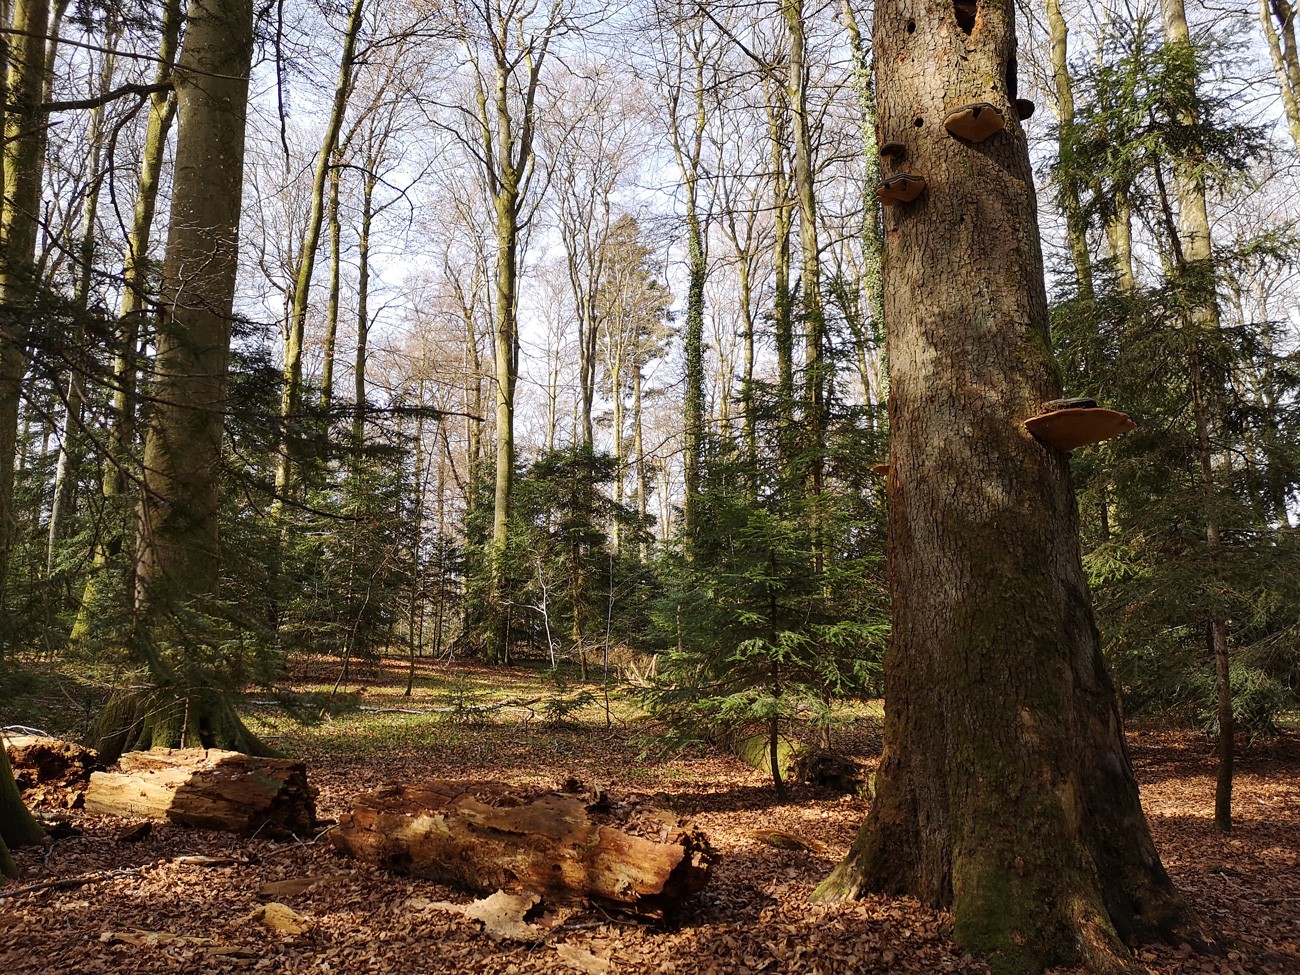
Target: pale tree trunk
(782, 205)
(24, 148)
(1075, 226)
(1119, 234)
(1194, 251)
(638, 448)
(177, 552)
(867, 330)
(507, 127)
(1005, 791)
(814, 316)
(686, 126)
(332, 308)
(66, 467)
(292, 436)
(133, 310)
(1277, 17)
(363, 310)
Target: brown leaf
(582, 960)
(281, 918)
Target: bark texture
(486, 836)
(1005, 790)
(208, 789)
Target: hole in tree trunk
(965, 11)
(918, 121)
(911, 26)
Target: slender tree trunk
(782, 317)
(363, 314)
(134, 309)
(1075, 224)
(291, 448)
(1277, 17)
(638, 448)
(24, 148)
(332, 308)
(1005, 790)
(66, 467)
(178, 557)
(1195, 255)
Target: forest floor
(754, 916)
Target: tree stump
(49, 771)
(488, 836)
(208, 789)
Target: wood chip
(281, 919)
(583, 960)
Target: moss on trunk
(1005, 791)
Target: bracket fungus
(1067, 424)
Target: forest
(865, 437)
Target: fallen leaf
(502, 915)
(583, 960)
(281, 918)
(150, 939)
(786, 841)
(291, 886)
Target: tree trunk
(134, 308)
(23, 158)
(1005, 790)
(1277, 17)
(485, 836)
(177, 552)
(332, 308)
(17, 827)
(1194, 253)
(293, 435)
(208, 789)
(1075, 224)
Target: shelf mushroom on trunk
(1068, 424)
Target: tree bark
(1005, 790)
(177, 553)
(1277, 18)
(1194, 253)
(134, 308)
(23, 158)
(292, 437)
(485, 836)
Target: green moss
(993, 918)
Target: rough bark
(1005, 790)
(486, 836)
(208, 789)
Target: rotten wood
(208, 789)
(50, 771)
(487, 836)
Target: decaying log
(209, 789)
(487, 836)
(49, 771)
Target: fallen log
(488, 836)
(208, 789)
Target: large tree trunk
(485, 836)
(177, 555)
(1005, 790)
(17, 827)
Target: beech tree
(1005, 791)
(177, 558)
